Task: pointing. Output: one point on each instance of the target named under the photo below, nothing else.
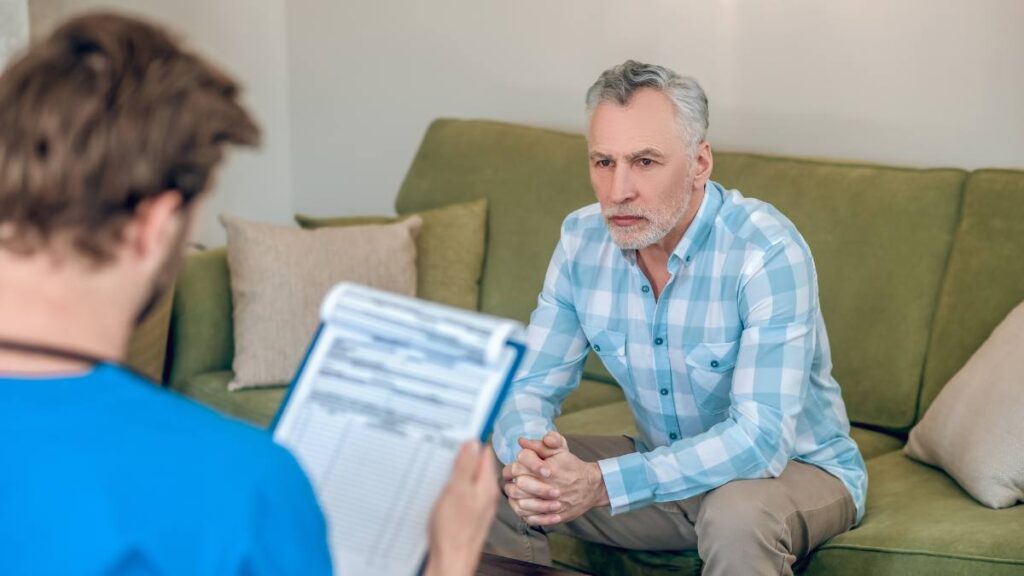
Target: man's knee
(730, 519)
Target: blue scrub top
(105, 473)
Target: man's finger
(517, 469)
(533, 463)
(513, 492)
(538, 447)
(540, 506)
(535, 487)
(542, 519)
(555, 441)
(514, 504)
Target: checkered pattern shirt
(727, 373)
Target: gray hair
(619, 83)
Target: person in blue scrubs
(110, 134)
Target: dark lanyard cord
(44, 350)
(52, 351)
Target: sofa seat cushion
(919, 522)
(597, 559)
(255, 405)
(873, 443)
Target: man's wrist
(600, 492)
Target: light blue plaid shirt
(727, 373)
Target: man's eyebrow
(646, 152)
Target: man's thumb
(555, 441)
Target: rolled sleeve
(551, 370)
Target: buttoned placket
(656, 312)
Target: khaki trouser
(743, 527)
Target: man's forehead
(623, 145)
(648, 120)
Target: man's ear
(155, 225)
(704, 163)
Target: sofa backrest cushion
(880, 236)
(985, 276)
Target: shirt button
(673, 436)
(688, 258)
(659, 341)
(664, 391)
(714, 363)
(645, 289)
(597, 348)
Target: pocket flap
(719, 357)
(606, 342)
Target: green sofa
(916, 267)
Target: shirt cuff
(627, 483)
(506, 441)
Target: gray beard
(657, 226)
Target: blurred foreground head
(109, 132)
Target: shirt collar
(699, 230)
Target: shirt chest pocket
(610, 346)
(709, 368)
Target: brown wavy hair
(104, 113)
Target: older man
(703, 305)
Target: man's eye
(646, 162)
(604, 163)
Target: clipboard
(388, 389)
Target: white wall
(908, 82)
(344, 90)
(247, 37)
(13, 27)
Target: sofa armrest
(202, 334)
(147, 349)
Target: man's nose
(622, 185)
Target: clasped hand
(548, 485)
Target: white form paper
(391, 389)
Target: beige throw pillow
(280, 275)
(974, 430)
